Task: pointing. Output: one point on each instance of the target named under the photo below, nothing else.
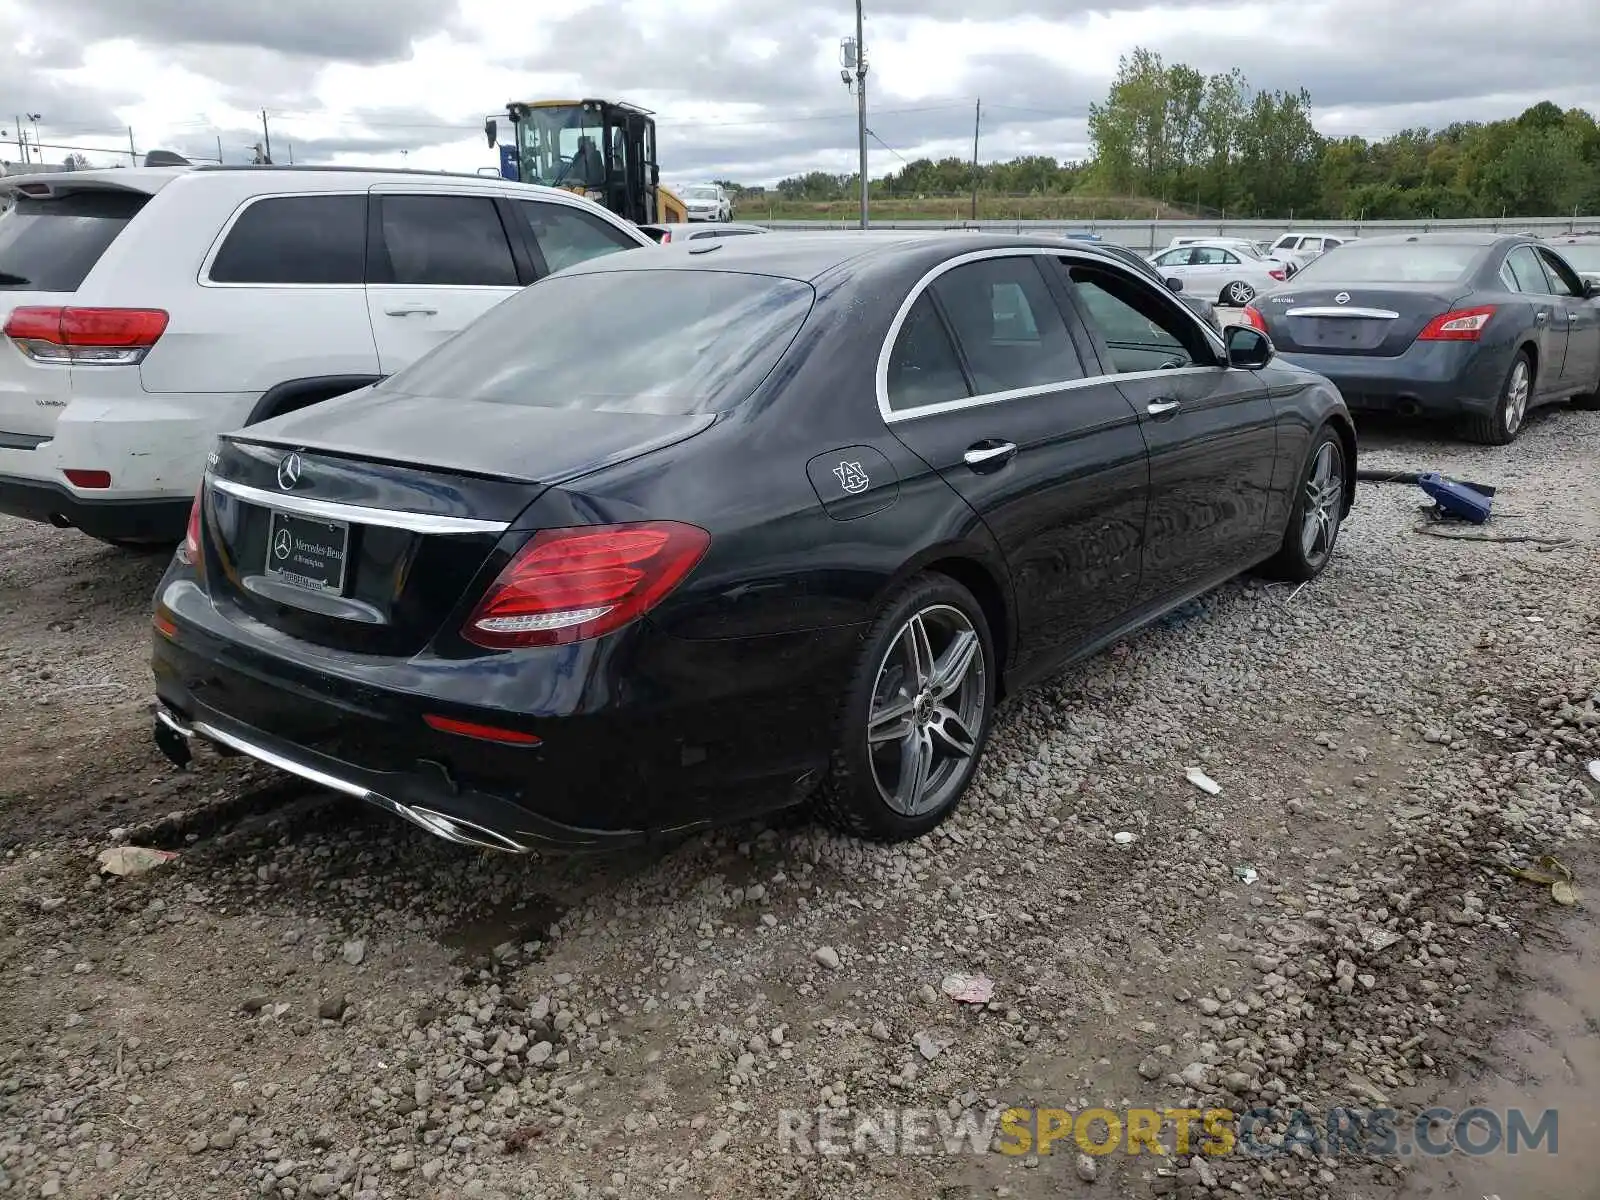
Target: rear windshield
(50, 244)
(662, 342)
(1398, 262)
(1582, 256)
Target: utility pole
(133, 152)
(22, 142)
(861, 107)
(266, 137)
(977, 121)
(219, 149)
(291, 153)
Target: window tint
(1141, 330)
(51, 245)
(1007, 325)
(295, 239)
(1209, 256)
(1563, 280)
(569, 235)
(923, 367)
(435, 241)
(656, 342)
(1175, 258)
(1286, 243)
(1527, 272)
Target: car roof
(807, 256)
(271, 178)
(1450, 237)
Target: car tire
(1500, 428)
(1237, 294)
(1318, 512)
(867, 793)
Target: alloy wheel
(927, 710)
(1517, 389)
(1241, 293)
(1324, 504)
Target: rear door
(48, 246)
(1527, 275)
(985, 382)
(436, 262)
(1210, 430)
(1582, 365)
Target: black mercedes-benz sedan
(670, 539)
(1472, 326)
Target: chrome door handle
(1572, 316)
(415, 310)
(979, 455)
(1542, 318)
(1160, 408)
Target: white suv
(707, 202)
(146, 310)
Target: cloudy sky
(743, 89)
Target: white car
(147, 310)
(1301, 248)
(1225, 270)
(707, 202)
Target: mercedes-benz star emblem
(1341, 298)
(283, 544)
(289, 471)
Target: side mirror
(1591, 288)
(1248, 348)
(491, 130)
(1174, 283)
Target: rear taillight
(98, 337)
(1252, 316)
(1277, 274)
(567, 585)
(1458, 325)
(189, 550)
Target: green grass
(959, 208)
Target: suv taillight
(104, 337)
(567, 585)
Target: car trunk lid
(1380, 319)
(368, 528)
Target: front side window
(442, 241)
(1175, 258)
(1141, 331)
(568, 235)
(296, 239)
(1008, 325)
(662, 342)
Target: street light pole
(861, 107)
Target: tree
(75, 162)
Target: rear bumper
(687, 734)
(1446, 379)
(159, 520)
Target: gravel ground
(314, 1000)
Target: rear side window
(51, 244)
(568, 235)
(924, 368)
(654, 342)
(443, 241)
(295, 239)
(1008, 325)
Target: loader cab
(602, 149)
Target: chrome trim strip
(356, 514)
(1343, 310)
(886, 351)
(450, 829)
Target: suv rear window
(661, 342)
(49, 244)
(295, 239)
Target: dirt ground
(313, 999)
